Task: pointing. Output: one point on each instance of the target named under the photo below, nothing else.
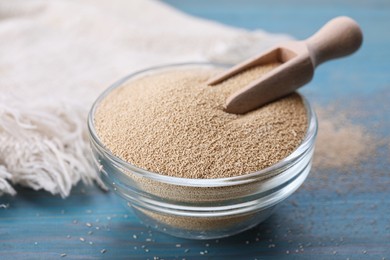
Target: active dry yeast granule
(174, 124)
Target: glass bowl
(201, 208)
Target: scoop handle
(339, 37)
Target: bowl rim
(304, 146)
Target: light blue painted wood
(328, 218)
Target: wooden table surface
(328, 218)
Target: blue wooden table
(332, 218)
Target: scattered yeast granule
(173, 123)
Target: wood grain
(339, 37)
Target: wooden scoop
(341, 36)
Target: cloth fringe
(44, 146)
